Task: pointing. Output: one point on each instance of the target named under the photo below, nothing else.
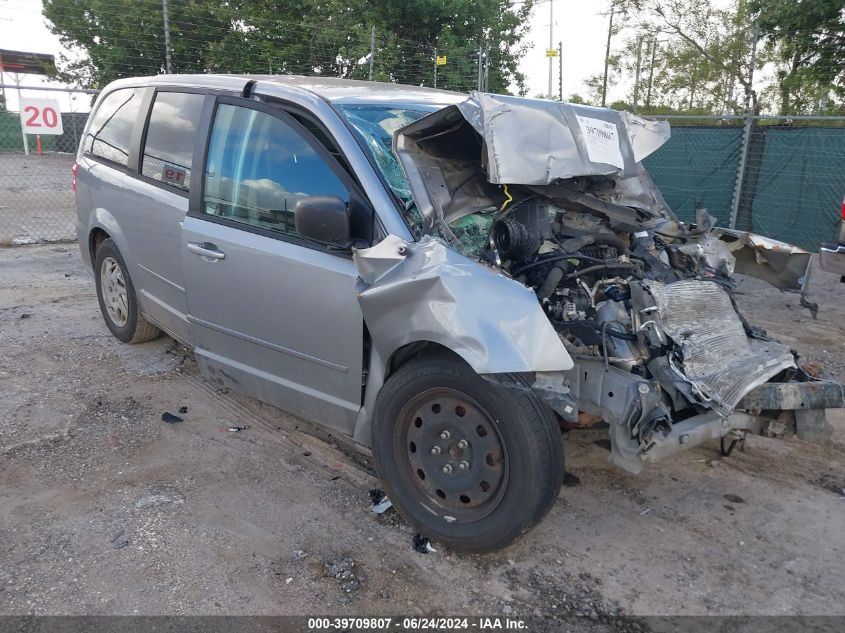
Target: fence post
(164, 10)
(740, 171)
(372, 51)
(746, 132)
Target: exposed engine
(648, 311)
(555, 197)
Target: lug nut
(447, 469)
(445, 435)
(435, 450)
(463, 465)
(462, 444)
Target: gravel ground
(106, 509)
(36, 202)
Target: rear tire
(116, 294)
(468, 463)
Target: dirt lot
(36, 202)
(105, 509)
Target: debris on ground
(235, 429)
(299, 554)
(343, 569)
(119, 541)
(733, 498)
(382, 506)
(376, 495)
(422, 544)
(183, 409)
(25, 315)
(170, 418)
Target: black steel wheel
(454, 452)
(469, 463)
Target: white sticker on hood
(602, 141)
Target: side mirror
(324, 219)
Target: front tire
(117, 298)
(469, 463)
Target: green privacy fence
(792, 187)
(793, 184)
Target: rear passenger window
(259, 167)
(110, 131)
(171, 132)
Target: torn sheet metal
(456, 158)
(427, 292)
(720, 361)
(537, 142)
(780, 264)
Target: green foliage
(120, 38)
(807, 42)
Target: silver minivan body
(316, 330)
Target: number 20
(48, 116)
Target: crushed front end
(554, 197)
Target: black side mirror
(324, 219)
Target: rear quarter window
(171, 132)
(110, 133)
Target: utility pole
(607, 56)
(651, 73)
(560, 69)
(637, 75)
(551, 43)
(167, 67)
(435, 67)
(373, 56)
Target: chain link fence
(36, 201)
(784, 179)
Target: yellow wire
(508, 200)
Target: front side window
(259, 166)
(110, 132)
(171, 132)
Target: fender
(425, 291)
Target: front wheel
(470, 463)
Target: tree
(693, 56)
(807, 40)
(114, 38)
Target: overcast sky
(579, 24)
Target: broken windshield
(376, 125)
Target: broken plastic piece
(422, 544)
(382, 506)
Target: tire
(116, 294)
(504, 478)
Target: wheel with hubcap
(117, 298)
(469, 463)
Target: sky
(579, 24)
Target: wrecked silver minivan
(446, 281)
(548, 253)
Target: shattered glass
(376, 125)
(472, 231)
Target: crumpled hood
(457, 158)
(537, 142)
